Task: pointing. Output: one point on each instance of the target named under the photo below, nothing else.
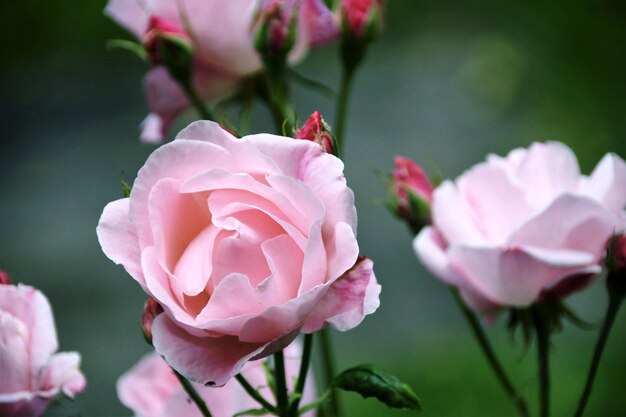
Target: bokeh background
(449, 82)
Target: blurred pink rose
(221, 33)
(511, 230)
(359, 15)
(150, 389)
(244, 242)
(31, 373)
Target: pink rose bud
(275, 29)
(317, 130)
(362, 19)
(4, 278)
(616, 256)
(411, 193)
(150, 310)
(160, 33)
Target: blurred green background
(449, 82)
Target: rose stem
(255, 394)
(193, 97)
(193, 394)
(328, 366)
(616, 297)
(543, 358)
(343, 98)
(483, 341)
(304, 369)
(282, 399)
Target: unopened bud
(616, 265)
(362, 19)
(275, 29)
(317, 130)
(4, 278)
(169, 45)
(150, 311)
(411, 193)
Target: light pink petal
(549, 169)
(14, 359)
(321, 24)
(179, 159)
(118, 238)
(130, 14)
(431, 249)
(195, 266)
(148, 386)
(207, 360)
(301, 197)
(348, 300)
(607, 183)
(153, 129)
(570, 222)
(512, 277)
(315, 265)
(453, 217)
(62, 373)
(342, 251)
(495, 201)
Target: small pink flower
(244, 242)
(317, 130)
(511, 230)
(31, 373)
(150, 389)
(222, 38)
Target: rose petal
(430, 247)
(129, 13)
(607, 183)
(453, 217)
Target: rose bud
(362, 19)
(317, 130)
(150, 310)
(4, 278)
(170, 46)
(616, 254)
(275, 32)
(411, 193)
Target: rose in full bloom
(512, 230)
(221, 33)
(150, 389)
(31, 373)
(244, 242)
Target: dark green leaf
(369, 381)
(252, 412)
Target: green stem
(252, 392)
(615, 302)
(343, 100)
(518, 400)
(543, 358)
(328, 372)
(193, 394)
(282, 398)
(278, 97)
(304, 369)
(196, 101)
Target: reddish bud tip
(150, 310)
(362, 18)
(161, 32)
(317, 130)
(412, 193)
(274, 33)
(4, 278)
(616, 254)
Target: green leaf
(369, 381)
(126, 188)
(134, 47)
(312, 84)
(252, 412)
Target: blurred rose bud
(362, 19)
(170, 46)
(317, 130)
(4, 278)
(275, 29)
(616, 254)
(150, 310)
(411, 191)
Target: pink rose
(244, 242)
(512, 230)
(150, 389)
(221, 33)
(31, 373)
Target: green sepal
(134, 47)
(126, 188)
(252, 412)
(369, 381)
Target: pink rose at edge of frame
(221, 33)
(150, 389)
(245, 243)
(513, 230)
(32, 374)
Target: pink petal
(320, 24)
(62, 373)
(431, 249)
(153, 129)
(342, 251)
(118, 238)
(207, 360)
(15, 365)
(607, 183)
(315, 264)
(453, 216)
(130, 14)
(348, 300)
